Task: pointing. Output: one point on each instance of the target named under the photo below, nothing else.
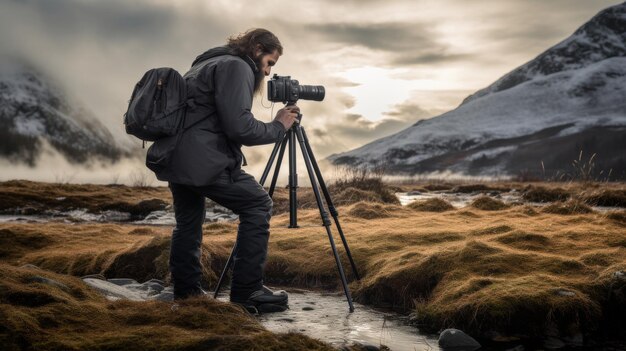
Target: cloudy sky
(385, 64)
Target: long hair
(246, 44)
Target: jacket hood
(221, 51)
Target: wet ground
(320, 315)
(325, 316)
(216, 213)
(458, 200)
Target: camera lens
(311, 92)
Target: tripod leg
(293, 182)
(269, 162)
(324, 214)
(226, 267)
(278, 164)
(329, 202)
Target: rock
(574, 340)
(44, 280)
(566, 293)
(166, 295)
(28, 211)
(553, 343)
(148, 288)
(552, 337)
(366, 347)
(122, 281)
(154, 280)
(457, 340)
(94, 276)
(155, 215)
(153, 286)
(112, 291)
(497, 337)
(221, 209)
(114, 216)
(619, 275)
(307, 308)
(414, 193)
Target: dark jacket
(217, 124)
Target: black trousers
(242, 194)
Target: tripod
(297, 131)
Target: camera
(286, 90)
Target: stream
(325, 316)
(318, 314)
(217, 213)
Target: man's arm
(234, 84)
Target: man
(206, 162)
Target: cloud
(97, 50)
(353, 130)
(409, 111)
(405, 43)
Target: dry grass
(514, 270)
(72, 316)
(344, 192)
(606, 197)
(545, 194)
(431, 205)
(368, 210)
(617, 216)
(33, 197)
(567, 208)
(140, 253)
(487, 203)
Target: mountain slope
(570, 98)
(600, 38)
(34, 112)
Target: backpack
(157, 105)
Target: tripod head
(299, 118)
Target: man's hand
(287, 115)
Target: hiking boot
(265, 301)
(192, 293)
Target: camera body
(286, 90)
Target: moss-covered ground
(488, 267)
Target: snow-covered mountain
(35, 112)
(570, 98)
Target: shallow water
(160, 218)
(320, 315)
(457, 199)
(325, 316)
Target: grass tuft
(617, 216)
(487, 203)
(545, 194)
(44, 317)
(567, 208)
(367, 210)
(431, 205)
(607, 197)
